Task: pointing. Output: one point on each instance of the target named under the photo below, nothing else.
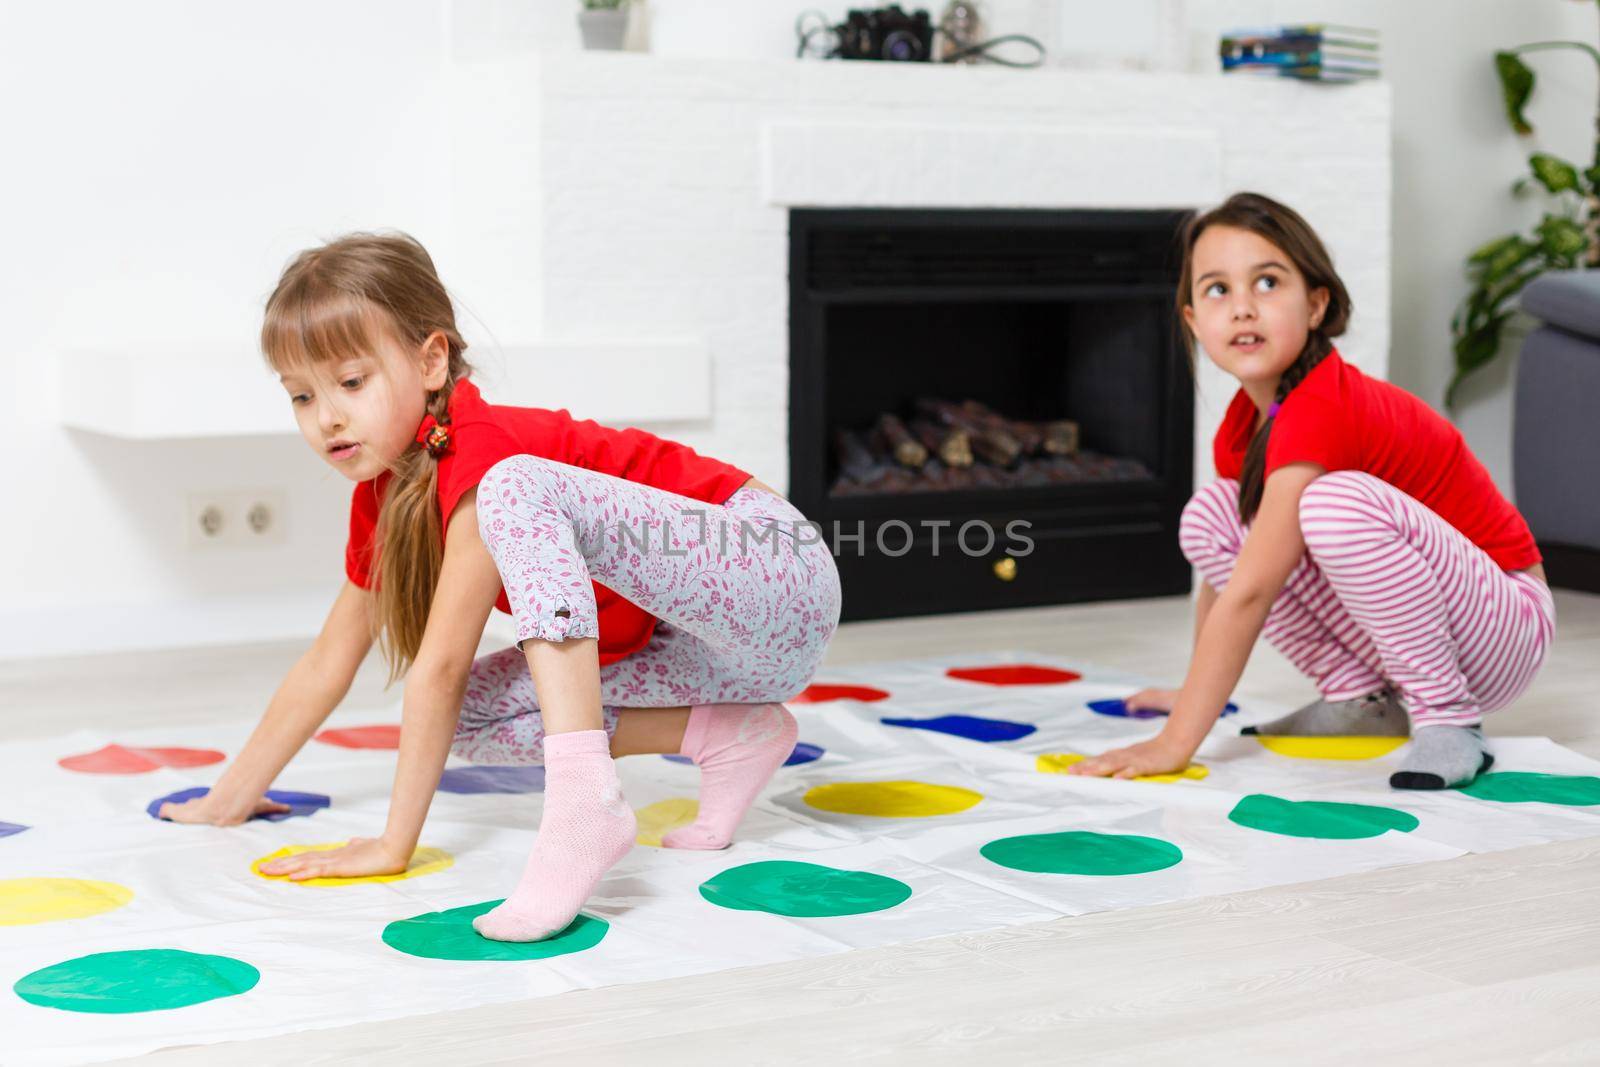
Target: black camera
(886, 33)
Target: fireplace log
(1060, 438)
(996, 446)
(890, 435)
(881, 451)
(1029, 435)
(991, 444)
(952, 446)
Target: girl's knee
(514, 492)
(516, 475)
(470, 743)
(1339, 488)
(1337, 503)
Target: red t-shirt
(484, 434)
(1343, 420)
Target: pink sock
(738, 747)
(587, 827)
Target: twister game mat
(924, 798)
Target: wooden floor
(1491, 959)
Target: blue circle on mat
(9, 828)
(1117, 709)
(803, 753)
(527, 778)
(971, 727)
(299, 803)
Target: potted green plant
(604, 24)
(1566, 237)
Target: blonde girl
(664, 601)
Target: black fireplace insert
(990, 408)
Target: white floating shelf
(224, 392)
(146, 396)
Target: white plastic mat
(319, 951)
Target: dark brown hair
(1285, 228)
(331, 304)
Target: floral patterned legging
(747, 594)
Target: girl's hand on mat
(212, 810)
(1147, 757)
(1152, 700)
(361, 857)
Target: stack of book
(1316, 52)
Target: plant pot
(604, 30)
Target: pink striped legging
(1388, 594)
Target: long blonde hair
(329, 306)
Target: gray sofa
(1556, 439)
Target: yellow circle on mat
(1331, 747)
(44, 900)
(1058, 762)
(663, 817)
(891, 800)
(423, 861)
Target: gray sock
(1374, 715)
(1443, 757)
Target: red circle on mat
(816, 694)
(362, 737)
(1014, 674)
(115, 759)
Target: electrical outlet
(237, 518)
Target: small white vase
(604, 30)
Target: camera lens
(901, 45)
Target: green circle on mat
(1082, 852)
(146, 979)
(1517, 787)
(785, 887)
(448, 935)
(1319, 818)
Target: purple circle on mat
(1117, 709)
(528, 778)
(9, 828)
(972, 727)
(803, 753)
(299, 803)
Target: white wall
(164, 159)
